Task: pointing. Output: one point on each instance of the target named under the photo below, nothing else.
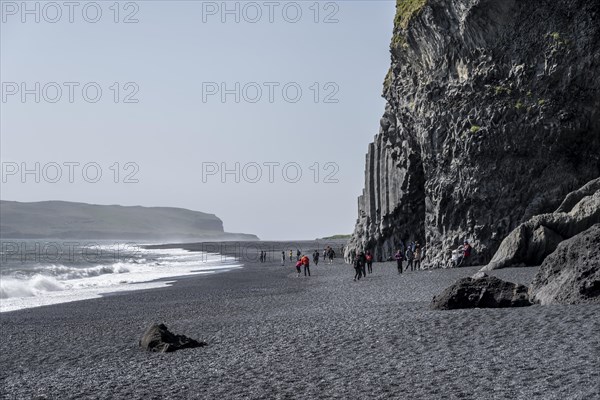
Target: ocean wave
(64, 273)
(50, 279)
(35, 286)
(24, 286)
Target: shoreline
(273, 335)
(232, 253)
(40, 284)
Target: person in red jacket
(463, 258)
(306, 263)
(369, 258)
(467, 249)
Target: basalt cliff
(492, 118)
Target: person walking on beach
(298, 268)
(282, 258)
(331, 255)
(316, 256)
(417, 258)
(358, 265)
(260, 258)
(399, 259)
(291, 255)
(306, 262)
(465, 253)
(410, 256)
(298, 254)
(363, 263)
(369, 258)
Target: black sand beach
(272, 335)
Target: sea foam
(58, 283)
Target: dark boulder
(481, 291)
(531, 242)
(570, 275)
(159, 339)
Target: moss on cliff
(388, 79)
(405, 9)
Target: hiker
(359, 265)
(316, 256)
(399, 260)
(291, 255)
(455, 257)
(409, 258)
(369, 258)
(418, 257)
(260, 258)
(331, 255)
(298, 255)
(306, 262)
(363, 263)
(298, 267)
(282, 258)
(464, 253)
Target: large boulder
(570, 275)
(158, 338)
(531, 242)
(481, 291)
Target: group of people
(413, 256)
(461, 255)
(363, 263)
(263, 256)
(302, 261)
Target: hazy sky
(183, 90)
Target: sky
(258, 112)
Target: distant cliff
(492, 117)
(59, 219)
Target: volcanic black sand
(273, 335)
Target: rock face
(481, 291)
(535, 239)
(492, 117)
(157, 338)
(570, 275)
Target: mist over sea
(41, 272)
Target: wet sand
(273, 335)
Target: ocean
(35, 273)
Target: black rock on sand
(272, 335)
(571, 274)
(481, 291)
(159, 339)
